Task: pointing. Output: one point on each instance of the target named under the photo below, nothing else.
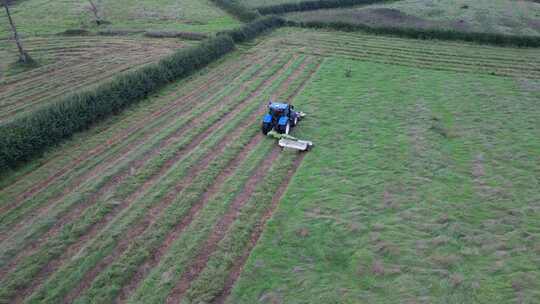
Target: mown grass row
(210, 282)
(309, 5)
(116, 131)
(31, 265)
(451, 51)
(436, 64)
(426, 34)
(161, 280)
(29, 136)
(105, 289)
(408, 53)
(403, 57)
(24, 138)
(157, 286)
(144, 137)
(44, 223)
(221, 201)
(165, 186)
(138, 210)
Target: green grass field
(490, 16)
(422, 188)
(43, 17)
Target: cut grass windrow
(140, 191)
(214, 283)
(101, 187)
(139, 161)
(221, 227)
(207, 280)
(237, 121)
(462, 58)
(120, 137)
(106, 139)
(97, 216)
(72, 74)
(216, 200)
(156, 253)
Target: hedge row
(26, 137)
(310, 5)
(176, 34)
(416, 33)
(241, 12)
(253, 29)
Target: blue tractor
(281, 117)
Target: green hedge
(28, 136)
(310, 5)
(241, 12)
(440, 34)
(253, 29)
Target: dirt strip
(145, 268)
(239, 263)
(192, 271)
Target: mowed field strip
(72, 63)
(444, 56)
(143, 179)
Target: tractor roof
(278, 106)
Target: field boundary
(311, 5)
(425, 34)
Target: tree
(95, 8)
(23, 56)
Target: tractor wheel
(266, 127)
(284, 129)
(281, 129)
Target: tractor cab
(277, 109)
(280, 116)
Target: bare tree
(95, 8)
(23, 56)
